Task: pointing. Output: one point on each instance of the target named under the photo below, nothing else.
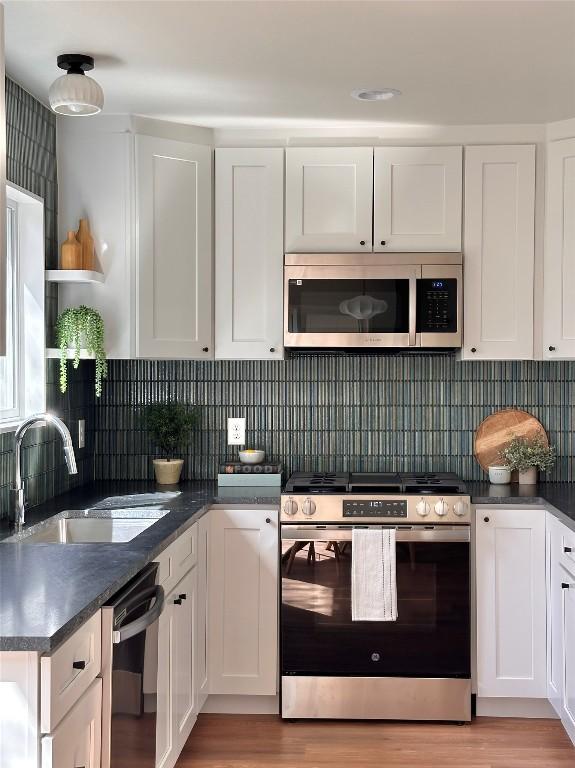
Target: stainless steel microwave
(363, 300)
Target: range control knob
(423, 508)
(308, 507)
(441, 508)
(290, 507)
(460, 508)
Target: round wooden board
(494, 432)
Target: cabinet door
(498, 252)
(559, 281)
(174, 249)
(184, 599)
(511, 603)
(568, 597)
(554, 615)
(3, 305)
(242, 607)
(201, 623)
(329, 199)
(417, 199)
(77, 739)
(165, 746)
(249, 253)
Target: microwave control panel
(437, 305)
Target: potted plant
(527, 456)
(169, 425)
(80, 328)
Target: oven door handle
(432, 536)
(412, 311)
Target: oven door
(350, 306)
(431, 637)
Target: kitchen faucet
(70, 458)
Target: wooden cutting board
(496, 431)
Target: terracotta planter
(528, 476)
(168, 472)
(71, 253)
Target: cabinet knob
(268, 520)
(362, 242)
(177, 601)
(564, 585)
(183, 596)
(79, 665)
(485, 519)
(382, 242)
(567, 549)
(204, 349)
(272, 349)
(473, 349)
(551, 349)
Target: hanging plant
(79, 327)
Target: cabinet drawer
(68, 672)
(567, 549)
(178, 558)
(77, 740)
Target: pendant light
(75, 93)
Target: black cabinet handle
(177, 601)
(485, 519)
(204, 349)
(79, 664)
(551, 349)
(564, 585)
(268, 520)
(474, 349)
(362, 242)
(183, 596)
(382, 242)
(567, 549)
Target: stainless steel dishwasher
(130, 672)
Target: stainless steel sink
(116, 526)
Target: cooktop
(375, 482)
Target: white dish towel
(373, 577)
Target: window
(22, 376)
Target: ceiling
(275, 63)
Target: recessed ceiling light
(375, 94)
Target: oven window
(431, 637)
(348, 306)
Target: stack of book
(232, 473)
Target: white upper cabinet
(559, 280)
(329, 193)
(499, 252)
(417, 199)
(511, 603)
(249, 253)
(173, 246)
(3, 307)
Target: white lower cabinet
(76, 742)
(201, 626)
(568, 641)
(511, 603)
(243, 601)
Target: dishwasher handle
(142, 622)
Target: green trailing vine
(76, 326)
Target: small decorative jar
(499, 475)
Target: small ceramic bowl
(251, 456)
(499, 475)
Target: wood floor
(254, 741)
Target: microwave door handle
(412, 310)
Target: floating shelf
(55, 352)
(73, 276)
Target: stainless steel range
(415, 668)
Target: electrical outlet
(237, 431)
(81, 433)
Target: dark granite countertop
(47, 590)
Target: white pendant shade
(76, 95)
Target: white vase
(528, 476)
(168, 472)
